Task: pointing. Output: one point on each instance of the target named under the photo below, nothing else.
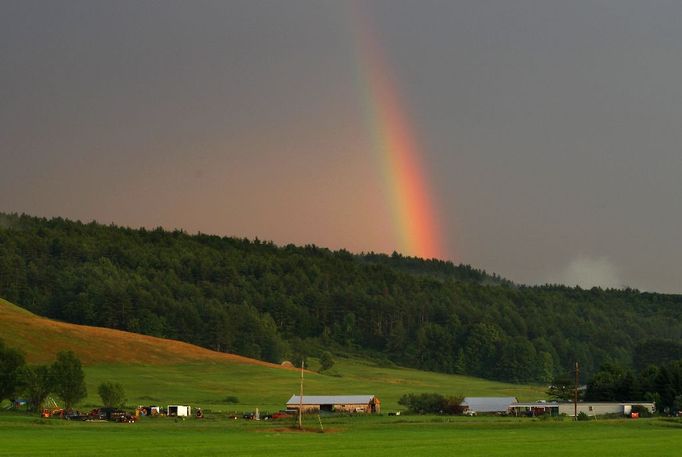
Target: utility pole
(300, 400)
(575, 397)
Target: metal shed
(488, 404)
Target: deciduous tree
(37, 383)
(11, 362)
(112, 394)
(69, 379)
(326, 361)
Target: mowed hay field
(374, 436)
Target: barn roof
(331, 399)
(488, 404)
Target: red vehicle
(280, 415)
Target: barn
(335, 403)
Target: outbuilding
(599, 408)
(335, 403)
(179, 410)
(487, 405)
(535, 408)
(567, 408)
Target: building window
(590, 408)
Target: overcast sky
(550, 131)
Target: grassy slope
(155, 370)
(42, 338)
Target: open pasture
(207, 384)
(375, 436)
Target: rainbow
(404, 178)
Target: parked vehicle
(75, 416)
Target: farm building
(535, 408)
(598, 408)
(568, 408)
(490, 405)
(336, 403)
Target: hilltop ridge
(274, 303)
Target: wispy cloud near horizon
(588, 272)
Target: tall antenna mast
(300, 400)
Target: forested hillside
(265, 301)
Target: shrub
(453, 404)
(432, 403)
(112, 394)
(582, 416)
(326, 361)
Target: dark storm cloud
(551, 128)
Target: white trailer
(179, 410)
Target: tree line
(661, 384)
(64, 378)
(272, 302)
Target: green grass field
(375, 436)
(158, 371)
(162, 372)
(207, 384)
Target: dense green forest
(660, 383)
(285, 302)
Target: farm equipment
(149, 410)
(56, 412)
(122, 416)
(98, 414)
(75, 416)
(53, 409)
